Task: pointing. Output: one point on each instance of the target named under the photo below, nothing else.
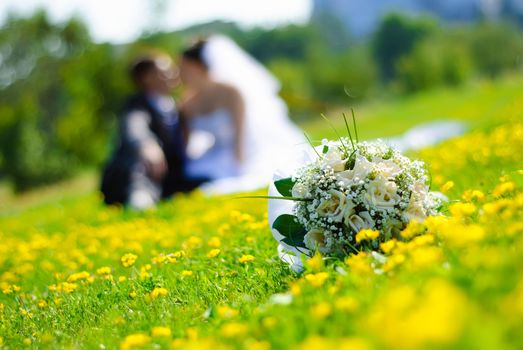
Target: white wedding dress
(270, 137)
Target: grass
(198, 273)
(478, 104)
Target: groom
(148, 164)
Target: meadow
(201, 273)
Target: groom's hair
(195, 52)
(141, 67)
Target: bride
(239, 131)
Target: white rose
(362, 168)
(360, 221)
(382, 193)
(315, 239)
(334, 159)
(416, 209)
(386, 168)
(334, 207)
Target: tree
(396, 37)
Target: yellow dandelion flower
(471, 195)
(134, 340)
(161, 332)
(321, 310)
(122, 279)
(233, 330)
(128, 259)
(158, 292)
(413, 228)
(214, 242)
(246, 258)
(187, 273)
(366, 234)
(359, 263)
(42, 304)
(503, 188)
(67, 287)
(346, 303)
(461, 210)
(317, 280)
(102, 271)
(388, 246)
(295, 289)
(191, 333)
(213, 253)
(447, 186)
(79, 276)
(316, 262)
(227, 312)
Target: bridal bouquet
(352, 196)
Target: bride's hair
(195, 52)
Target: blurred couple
(228, 133)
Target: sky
(121, 21)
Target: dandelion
(233, 330)
(317, 280)
(103, 271)
(388, 246)
(471, 195)
(366, 234)
(246, 259)
(187, 273)
(461, 210)
(213, 253)
(413, 228)
(295, 289)
(359, 263)
(128, 259)
(447, 186)
(214, 242)
(227, 312)
(134, 340)
(191, 333)
(316, 262)
(346, 303)
(503, 188)
(321, 310)
(42, 304)
(158, 292)
(67, 287)
(159, 331)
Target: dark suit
(143, 122)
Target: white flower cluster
(368, 185)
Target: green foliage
(437, 61)
(496, 48)
(59, 90)
(396, 37)
(292, 231)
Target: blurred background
(63, 64)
